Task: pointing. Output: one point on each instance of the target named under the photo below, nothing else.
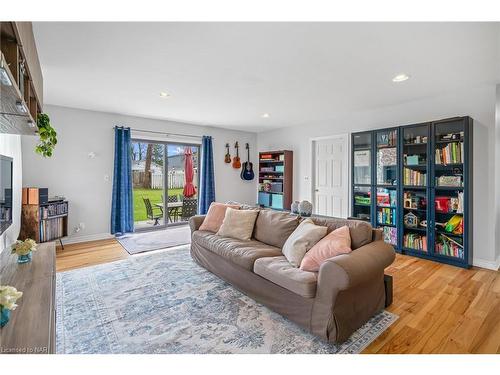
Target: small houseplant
(48, 136)
(23, 250)
(8, 297)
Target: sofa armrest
(348, 270)
(195, 222)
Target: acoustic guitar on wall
(247, 169)
(236, 159)
(227, 158)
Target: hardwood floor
(442, 309)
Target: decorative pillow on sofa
(215, 216)
(274, 227)
(335, 243)
(238, 224)
(301, 240)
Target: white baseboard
(488, 264)
(87, 238)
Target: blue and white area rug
(163, 302)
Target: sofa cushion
(242, 253)
(360, 231)
(274, 227)
(279, 271)
(238, 224)
(335, 243)
(301, 240)
(215, 216)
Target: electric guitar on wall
(236, 159)
(247, 169)
(227, 158)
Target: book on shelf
(415, 241)
(390, 235)
(386, 216)
(54, 209)
(51, 229)
(446, 246)
(452, 153)
(414, 178)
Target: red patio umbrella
(189, 189)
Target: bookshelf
(421, 178)
(275, 179)
(45, 222)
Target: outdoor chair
(189, 208)
(150, 211)
(173, 212)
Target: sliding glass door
(165, 183)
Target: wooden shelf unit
(21, 101)
(35, 224)
(279, 175)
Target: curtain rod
(164, 133)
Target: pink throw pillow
(215, 216)
(336, 243)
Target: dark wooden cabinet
(410, 181)
(31, 328)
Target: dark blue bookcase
(414, 182)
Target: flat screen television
(5, 193)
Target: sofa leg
(388, 290)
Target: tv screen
(5, 193)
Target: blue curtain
(207, 178)
(122, 208)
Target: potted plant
(8, 297)
(23, 250)
(48, 136)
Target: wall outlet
(79, 228)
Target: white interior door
(330, 186)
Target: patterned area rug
(165, 303)
(136, 243)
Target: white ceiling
(228, 74)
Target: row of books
(390, 235)
(54, 209)
(415, 241)
(386, 216)
(51, 229)
(414, 178)
(451, 154)
(450, 248)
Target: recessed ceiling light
(164, 95)
(265, 115)
(401, 77)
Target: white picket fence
(175, 179)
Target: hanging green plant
(48, 136)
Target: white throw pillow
(238, 224)
(301, 240)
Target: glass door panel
(449, 196)
(387, 157)
(415, 236)
(362, 203)
(148, 184)
(182, 182)
(387, 214)
(362, 144)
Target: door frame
(345, 174)
(165, 144)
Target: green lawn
(154, 195)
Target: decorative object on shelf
(8, 298)
(411, 220)
(227, 158)
(236, 159)
(449, 181)
(295, 207)
(305, 208)
(48, 136)
(247, 168)
(23, 250)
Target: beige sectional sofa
(332, 303)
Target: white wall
(10, 145)
(71, 173)
(477, 102)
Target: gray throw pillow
(274, 227)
